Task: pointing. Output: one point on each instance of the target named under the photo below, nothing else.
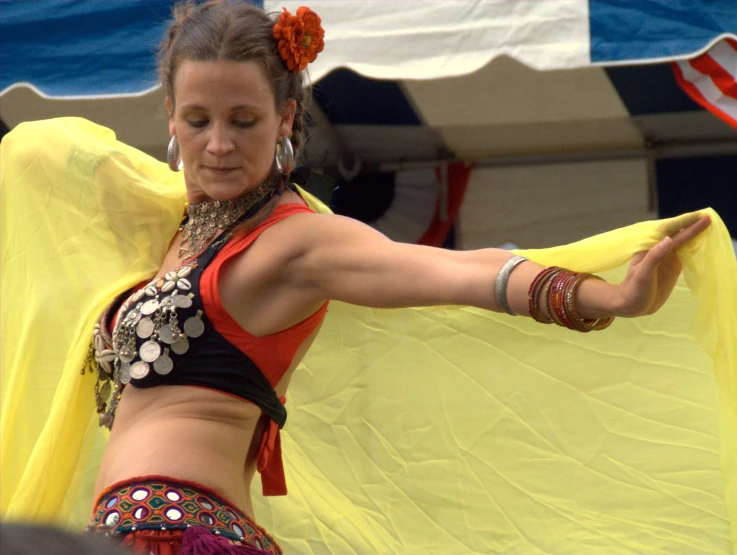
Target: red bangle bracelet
(541, 280)
(557, 299)
(558, 287)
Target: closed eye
(238, 123)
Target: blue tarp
(631, 30)
(82, 47)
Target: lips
(220, 171)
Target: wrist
(597, 299)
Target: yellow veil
(439, 430)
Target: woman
(210, 343)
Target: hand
(653, 274)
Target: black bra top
(201, 356)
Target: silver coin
(139, 370)
(145, 328)
(163, 365)
(194, 327)
(149, 351)
(127, 355)
(166, 335)
(167, 302)
(124, 374)
(181, 301)
(149, 307)
(181, 346)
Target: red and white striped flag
(711, 79)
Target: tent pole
(654, 150)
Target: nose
(219, 142)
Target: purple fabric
(198, 540)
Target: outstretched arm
(345, 260)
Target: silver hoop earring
(284, 156)
(172, 154)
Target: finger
(656, 255)
(669, 271)
(638, 257)
(674, 225)
(685, 235)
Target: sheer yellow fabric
(439, 430)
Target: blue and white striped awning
(72, 48)
(406, 39)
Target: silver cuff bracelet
(502, 279)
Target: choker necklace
(205, 219)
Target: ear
(170, 110)
(286, 120)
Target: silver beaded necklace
(205, 219)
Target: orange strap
(270, 464)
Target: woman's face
(227, 126)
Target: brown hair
(235, 31)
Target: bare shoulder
(302, 232)
(273, 253)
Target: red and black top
(228, 359)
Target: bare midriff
(183, 432)
(189, 433)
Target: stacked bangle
(540, 283)
(558, 287)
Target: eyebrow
(233, 109)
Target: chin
(224, 193)
(224, 190)
(224, 187)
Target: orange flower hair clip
(300, 37)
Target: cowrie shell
(184, 284)
(106, 365)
